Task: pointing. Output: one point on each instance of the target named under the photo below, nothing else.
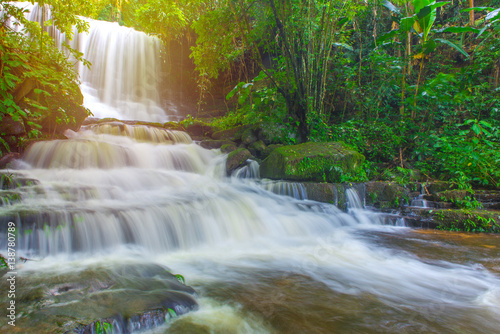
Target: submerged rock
(126, 297)
(319, 162)
(236, 159)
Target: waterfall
(123, 81)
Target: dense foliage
(38, 84)
(413, 85)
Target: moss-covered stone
(214, 144)
(248, 137)
(465, 220)
(233, 134)
(439, 186)
(228, 148)
(257, 148)
(270, 133)
(236, 159)
(269, 149)
(319, 162)
(450, 196)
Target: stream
(107, 220)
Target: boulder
(199, 130)
(439, 186)
(9, 127)
(228, 148)
(7, 159)
(386, 194)
(318, 162)
(233, 134)
(257, 148)
(270, 133)
(215, 144)
(236, 159)
(248, 137)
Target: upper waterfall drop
(126, 72)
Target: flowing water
(104, 217)
(260, 262)
(126, 69)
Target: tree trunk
(471, 14)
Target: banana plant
(421, 23)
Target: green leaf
(429, 47)
(460, 29)
(493, 14)
(391, 7)
(453, 45)
(387, 36)
(344, 45)
(476, 9)
(406, 23)
(476, 128)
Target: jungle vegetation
(412, 85)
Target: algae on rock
(319, 162)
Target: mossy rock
(248, 137)
(233, 134)
(386, 195)
(257, 148)
(215, 144)
(317, 162)
(439, 186)
(269, 149)
(270, 133)
(450, 196)
(228, 148)
(465, 220)
(236, 159)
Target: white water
(123, 81)
(133, 195)
(121, 199)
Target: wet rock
(439, 186)
(270, 133)
(449, 196)
(197, 131)
(257, 148)
(233, 134)
(9, 127)
(386, 195)
(7, 159)
(215, 144)
(248, 137)
(318, 162)
(228, 148)
(462, 219)
(127, 298)
(236, 159)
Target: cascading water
(126, 69)
(106, 201)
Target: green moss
(466, 220)
(319, 162)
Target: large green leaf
(460, 29)
(406, 23)
(426, 16)
(453, 45)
